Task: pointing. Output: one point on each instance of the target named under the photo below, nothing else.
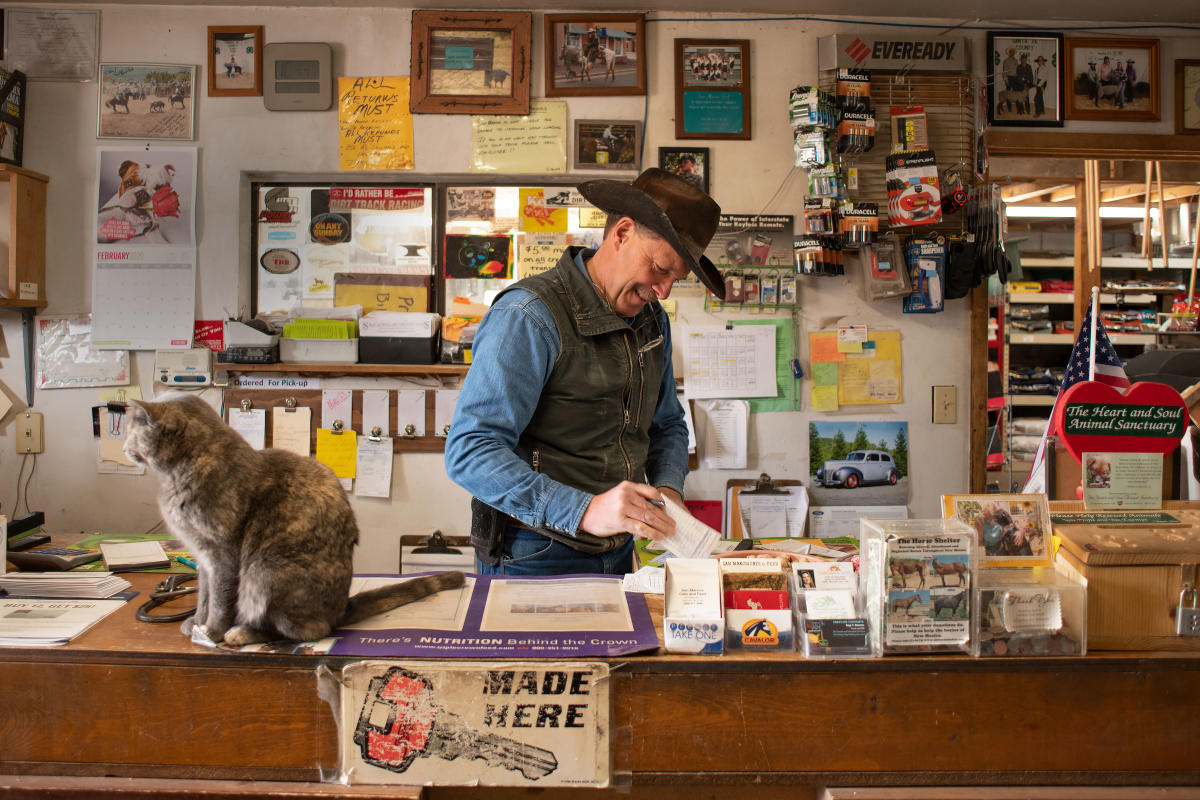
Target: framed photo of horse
(146, 101)
(470, 62)
(1025, 79)
(595, 55)
(235, 60)
(712, 88)
(1113, 79)
(1013, 530)
(613, 144)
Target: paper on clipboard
(750, 513)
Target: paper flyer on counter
(928, 597)
(495, 616)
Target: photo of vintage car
(859, 467)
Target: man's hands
(626, 508)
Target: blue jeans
(528, 552)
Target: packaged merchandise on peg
(769, 289)
(884, 272)
(856, 132)
(809, 105)
(788, 296)
(818, 255)
(810, 147)
(735, 288)
(925, 258)
(914, 195)
(858, 223)
(853, 88)
(910, 128)
(827, 182)
(820, 216)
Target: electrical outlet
(945, 405)
(29, 432)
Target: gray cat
(272, 531)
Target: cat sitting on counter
(272, 531)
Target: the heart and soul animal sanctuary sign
(1095, 417)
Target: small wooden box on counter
(1135, 572)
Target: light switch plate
(945, 405)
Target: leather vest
(591, 427)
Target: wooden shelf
(1041, 338)
(1032, 399)
(23, 278)
(1041, 297)
(348, 369)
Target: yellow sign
(337, 451)
(374, 124)
(537, 217)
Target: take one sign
(1095, 417)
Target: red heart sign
(1095, 417)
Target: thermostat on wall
(297, 76)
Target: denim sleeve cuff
(562, 508)
(670, 479)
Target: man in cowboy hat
(1041, 78)
(568, 431)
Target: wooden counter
(136, 700)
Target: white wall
(235, 135)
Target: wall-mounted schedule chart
(144, 259)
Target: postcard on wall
(858, 463)
(1122, 480)
(532, 143)
(1013, 530)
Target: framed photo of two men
(1025, 79)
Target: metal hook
(337, 427)
(246, 406)
(289, 404)
(410, 431)
(376, 434)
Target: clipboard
(740, 490)
(435, 553)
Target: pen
(187, 562)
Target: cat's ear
(142, 412)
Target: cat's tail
(385, 598)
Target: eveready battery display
(914, 196)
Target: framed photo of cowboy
(146, 101)
(1187, 95)
(595, 55)
(1113, 79)
(691, 163)
(1025, 79)
(712, 88)
(470, 62)
(613, 144)
(235, 60)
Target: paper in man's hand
(692, 539)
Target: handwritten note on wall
(533, 143)
(538, 254)
(374, 124)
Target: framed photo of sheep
(146, 101)
(470, 62)
(1025, 79)
(235, 60)
(1113, 79)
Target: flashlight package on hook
(925, 258)
(910, 128)
(914, 195)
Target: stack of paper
(63, 584)
(124, 556)
(36, 622)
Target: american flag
(1110, 370)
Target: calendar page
(144, 268)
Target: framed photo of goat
(1025, 79)
(1113, 79)
(146, 101)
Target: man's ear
(623, 231)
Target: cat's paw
(240, 635)
(187, 625)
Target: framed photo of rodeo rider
(1115, 80)
(595, 55)
(470, 62)
(1025, 79)
(146, 101)
(235, 60)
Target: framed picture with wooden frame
(470, 62)
(712, 89)
(1025, 79)
(690, 163)
(235, 60)
(595, 54)
(614, 144)
(1187, 95)
(1112, 79)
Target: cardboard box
(1134, 573)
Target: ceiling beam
(1064, 195)
(1019, 192)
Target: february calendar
(144, 259)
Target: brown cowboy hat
(673, 207)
